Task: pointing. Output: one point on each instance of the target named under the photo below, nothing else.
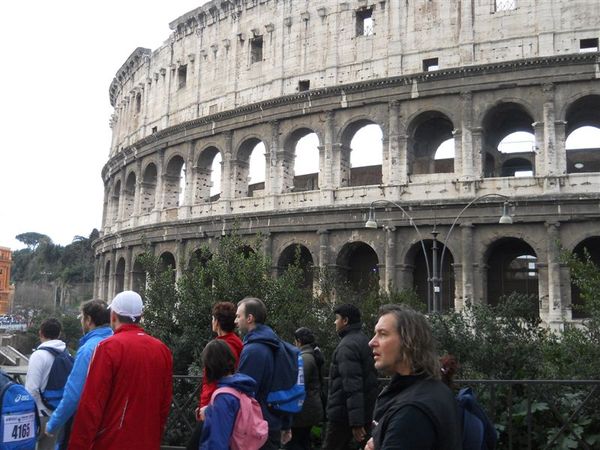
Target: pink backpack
(250, 430)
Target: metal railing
(528, 414)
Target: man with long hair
(416, 410)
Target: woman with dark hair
(312, 410)
(220, 415)
(223, 324)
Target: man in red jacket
(127, 394)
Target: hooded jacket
(257, 361)
(40, 364)
(352, 379)
(219, 418)
(67, 406)
(127, 394)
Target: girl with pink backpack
(233, 419)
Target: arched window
(583, 135)
(129, 196)
(148, 198)
(249, 175)
(208, 176)
(432, 144)
(174, 183)
(508, 134)
(512, 267)
(120, 276)
(303, 173)
(300, 255)
(589, 247)
(359, 266)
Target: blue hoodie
(257, 360)
(219, 417)
(68, 405)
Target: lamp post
(434, 275)
(372, 223)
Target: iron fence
(528, 414)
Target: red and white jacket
(127, 394)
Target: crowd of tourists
(257, 392)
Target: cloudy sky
(58, 59)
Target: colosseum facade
(239, 78)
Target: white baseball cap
(128, 304)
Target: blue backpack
(287, 387)
(478, 431)
(57, 378)
(18, 417)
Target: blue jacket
(68, 405)
(219, 417)
(257, 361)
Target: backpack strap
(55, 352)
(225, 390)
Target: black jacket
(416, 413)
(352, 380)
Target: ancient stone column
(160, 181)
(560, 148)
(549, 147)
(127, 277)
(326, 159)
(540, 156)
(391, 162)
(467, 266)
(555, 305)
(468, 152)
(390, 258)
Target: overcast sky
(58, 60)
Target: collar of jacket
(102, 330)
(349, 328)
(128, 327)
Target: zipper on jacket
(123, 415)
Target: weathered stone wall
(317, 41)
(499, 72)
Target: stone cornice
(131, 64)
(368, 85)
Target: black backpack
(57, 378)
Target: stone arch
(167, 263)
(591, 247)
(358, 265)
(199, 256)
(138, 276)
(499, 121)
(129, 195)
(301, 254)
(583, 112)
(120, 276)
(513, 166)
(369, 170)
(205, 177)
(173, 176)
(427, 132)
(148, 191)
(244, 185)
(106, 280)
(115, 200)
(512, 266)
(297, 178)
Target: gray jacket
(312, 410)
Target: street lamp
(372, 223)
(434, 275)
